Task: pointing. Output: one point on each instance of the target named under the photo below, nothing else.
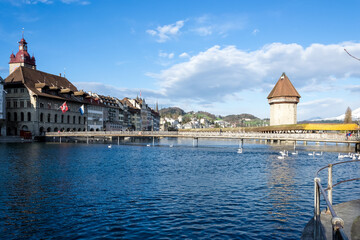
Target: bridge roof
(283, 88)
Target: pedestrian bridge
(267, 137)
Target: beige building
(34, 98)
(283, 100)
(2, 109)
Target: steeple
(22, 57)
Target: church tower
(22, 58)
(283, 100)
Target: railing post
(330, 185)
(316, 208)
(337, 224)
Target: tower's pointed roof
(283, 88)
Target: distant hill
(237, 118)
(201, 114)
(174, 112)
(171, 112)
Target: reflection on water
(134, 191)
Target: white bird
(109, 146)
(319, 154)
(171, 145)
(295, 153)
(341, 156)
(311, 154)
(148, 145)
(281, 157)
(239, 150)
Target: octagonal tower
(283, 100)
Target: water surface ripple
(79, 191)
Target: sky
(223, 57)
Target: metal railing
(336, 222)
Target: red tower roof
(22, 56)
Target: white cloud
(184, 55)
(166, 32)
(224, 71)
(219, 71)
(34, 2)
(166, 55)
(105, 89)
(207, 25)
(203, 31)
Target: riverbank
(13, 139)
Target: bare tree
(351, 55)
(348, 117)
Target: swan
(109, 146)
(239, 150)
(295, 153)
(311, 154)
(319, 154)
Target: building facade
(37, 102)
(283, 100)
(2, 109)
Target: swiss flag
(64, 107)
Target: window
(84, 120)
(41, 117)
(8, 116)
(41, 105)
(79, 121)
(22, 116)
(15, 104)
(28, 104)
(29, 116)
(74, 120)
(8, 104)
(15, 90)
(62, 118)
(21, 104)
(9, 90)
(49, 117)
(15, 117)
(55, 118)
(22, 90)
(68, 119)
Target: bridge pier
(197, 142)
(357, 147)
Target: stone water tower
(283, 100)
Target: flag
(64, 107)
(82, 109)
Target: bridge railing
(255, 135)
(336, 221)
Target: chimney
(60, 74)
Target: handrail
(337, 222)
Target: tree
(348, 117)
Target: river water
(131, 191)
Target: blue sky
(218, 56)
